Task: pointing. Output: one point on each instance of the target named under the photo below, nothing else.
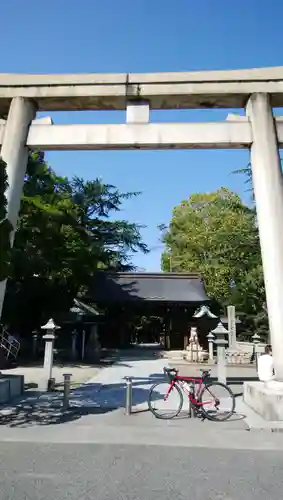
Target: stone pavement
(97, 415)
(107, 389)
(103, 393)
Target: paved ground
(105, 391)
(93, 450)
(110, 472)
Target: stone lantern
(205, 321)
(221, 343)
(50, 327)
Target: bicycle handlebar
(168, 371)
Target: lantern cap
(219, 329)
(50, 325)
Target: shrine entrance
(148, 307)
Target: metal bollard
(129, 394)
(67, 388)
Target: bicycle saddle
(170, 370)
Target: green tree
(64, 234)
(216, 235)
(5, 225)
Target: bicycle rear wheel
(217, 401)
(164, 404)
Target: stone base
(4, 391)
(11, 386)
(265, 401)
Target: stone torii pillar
(268, 191)
(15, 153)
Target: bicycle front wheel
(217, 401)
(163, 403)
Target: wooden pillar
(167, 340)
(162, 339)
(168, 329)
(186, 332)
(123, 328)
(116, 322)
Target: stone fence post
(232, 336)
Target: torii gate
(256, 90)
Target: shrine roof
(151, 287)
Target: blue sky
(67, 36)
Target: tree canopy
(216, 235)
(66, 231)
(5, 226)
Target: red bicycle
(212, 400)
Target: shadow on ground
(26, 414)
(31, 385)
(89, 399)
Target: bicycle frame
(193, 398)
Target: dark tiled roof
(155, 287)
